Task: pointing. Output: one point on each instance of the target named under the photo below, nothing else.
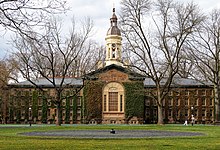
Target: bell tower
(113, 43)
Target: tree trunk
(160, 110)
(58, 121)
(160, 115)
(217, 105)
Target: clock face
(113, 45)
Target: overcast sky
(99, 11)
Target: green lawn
(10, 139)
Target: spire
(114, 19)
(113, 30)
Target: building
(112, 94)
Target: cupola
(113, 43)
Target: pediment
(114, 73)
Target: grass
(11, 139)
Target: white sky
(100, 12)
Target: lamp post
(192, 110)
(30, 118)
(192, 118)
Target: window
(30, 92)
(177, 93)
(78, 114)
(40, 101)
(71, 102)
(71, 114)
(79, 101)
(170, 112)
(113, 53)
(22, 93)
(63, 102)
(52, 92)
(186, 93)
(203, 112)
(203, 92)
(171, 93)
(104, 103)
(195, 112)
(147, 112)
(113, 101)
(40, 93)
(67, 92)
(30, 101)
(49, 103)
(211, 103)
(113, 50)
(39, 113)
(186, 112)
(155, 112)
(170, 102)
(186, 102)
(23, 113)
(121, 103)
(63, 113)
(22, 102)
(113, 98)
(211, 112)
(203, 101)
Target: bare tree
(205, 49)
(88, 59)
(52, 55)
(157, 47)
(8, 73)
(22, 15)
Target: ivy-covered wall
(44, 109)
(134, 100)
(93, 100)
(1, 109)
(67, 108)
(34, 105)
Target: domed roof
(114, 30)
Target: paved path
(107, 134)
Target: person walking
(185, 123)
(192, 120)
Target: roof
(178, 82)
(78, 82)
(43, 82)
(114, 30)
(132, 75)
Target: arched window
(113, 50)
(113, 97)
